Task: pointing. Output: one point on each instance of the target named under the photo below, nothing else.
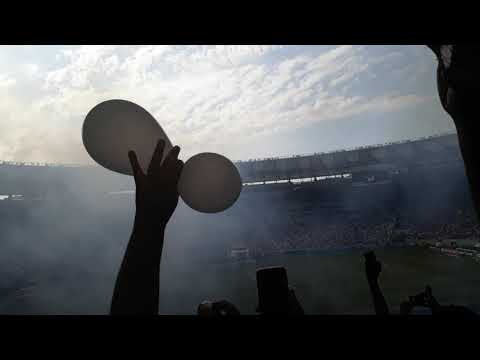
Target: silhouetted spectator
(373, 268)
(427, 300)
(458, 82)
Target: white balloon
(209, 183)
(114, 127)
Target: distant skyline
(242, 101)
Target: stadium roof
(22, 177)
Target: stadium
(316, 214)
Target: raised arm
(372, 269)
(137, 287)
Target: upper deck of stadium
(438, 150)
(428, 151)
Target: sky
(244, 102)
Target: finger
(137, 170)
(157, 156)
(172, 156)
(177, 170)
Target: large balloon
(114, 127)
(209, 182)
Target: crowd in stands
(330, 237)
(339, 234)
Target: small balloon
(209, 183)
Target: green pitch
(326, 283)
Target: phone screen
(272, 286)
(421, 310)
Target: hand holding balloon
(209, 182)
(156, 190)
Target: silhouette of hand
(156, 191)
(406, 308)
(429, 298)
(294, 306)
(373, 267)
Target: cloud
(208, 98)
(6, 82)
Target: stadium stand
(391, 194)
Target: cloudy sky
(241, 101)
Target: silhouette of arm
(137, 287)
(458, 83)
(373, 269)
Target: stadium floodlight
(209, 182)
